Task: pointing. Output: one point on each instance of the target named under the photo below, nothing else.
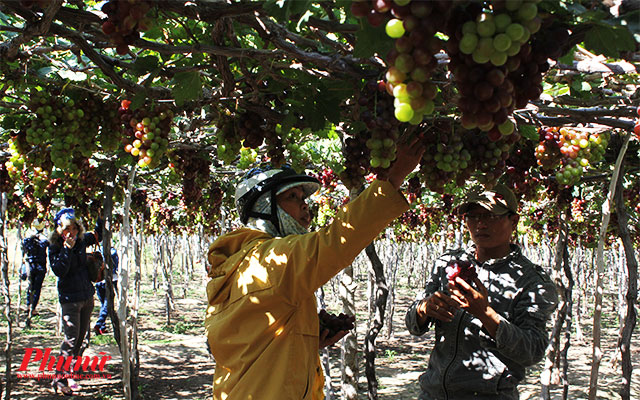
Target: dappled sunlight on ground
(175, 364)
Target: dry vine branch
(34, 27)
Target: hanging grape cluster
(328, 179)
(146, 131)
(454, 154)
(6, 185)
(497, 50)
(195, 170)
(64, 129)
(212, 201)
(412, 61)
(228, 142)
(239, 134)
(498, 57)
(61, 129)
(250, 128)
(374, 148)
(567, 152)
(254, 130)
(377, 114)
(125, 20)
(335, 323)
(521, 176)
(632, 196)
(161, 218)
(88, 186)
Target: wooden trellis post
(597, 312)
(129, 380)
(4, 266)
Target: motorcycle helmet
(267, 179)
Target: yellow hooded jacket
(262, 322)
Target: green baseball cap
(499, 200)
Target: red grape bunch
(195, 170)
(567, 152)
(335, 323)
(498, 57)
(328, 179)
(416, 223)
(548, 150)
(356, 163)
(632, 196)
(577, 209)
(139, 201)
(461, 268)
(486, 44)
(210, 206)
(146, 132)
(275, 146)
(547, 44)
(251, 128)
(498, 54)
(125, 20)
(412, 61)
(453, 155)
(636, 127)
(376, 111)
(520, 167)
(254, 130)
(414, 189)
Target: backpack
(95, 266)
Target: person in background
(490, 327)
(68, 260)
(262, 322)
(101, 289)
(34, 249)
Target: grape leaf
(528, 131)
(569, 57)
(282, 9)
(315, 119)
(288, 121)
(11, 121)
(370, 40)
(142, 65)
(187, 86)
(138, 100)
(329, 106)
(576, 9)
(153, 33)
(609, 40)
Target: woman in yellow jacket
(262, 322)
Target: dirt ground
(174, 362)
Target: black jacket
(35, 250)
(70, 266)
